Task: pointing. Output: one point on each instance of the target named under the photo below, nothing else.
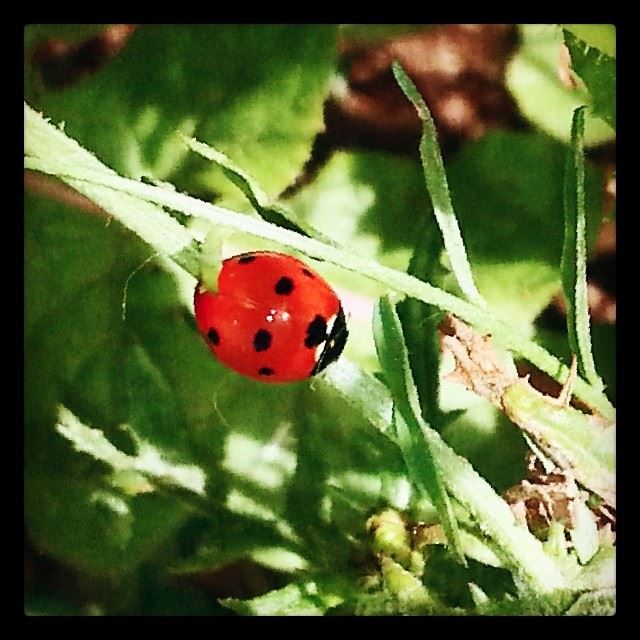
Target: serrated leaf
(598, 71)
(600, 36)
(533, 78)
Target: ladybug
(272, 318)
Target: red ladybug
(272, 318)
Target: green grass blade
(260, 201)
(436, 180)
(410, 426)
(598, 71)
(574, 254)
(420, 329)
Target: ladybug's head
(334, 344)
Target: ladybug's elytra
(272, 318)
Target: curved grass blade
(420, 329)
(409, 423)
(260, 201)
(574, 254)
(438, 188)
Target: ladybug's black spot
(316, 332)
(308, 273)
(284, 286)
(335, 343)
(266, 371)
(262, 340)
(213, 336)
(246, 259)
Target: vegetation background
(159, 482)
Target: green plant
(143, 457)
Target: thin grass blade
(420, 329)
(409, 423)
(574, 254)
(438, 188)
(269, 211)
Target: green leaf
(479, 432)
(436, 181)
(154, 372)
(533, 79)
(574, 254)
(68, 503)
(48, 143)
(420, 329)
(508, 194)
(311, 598)
(568, 437)
(501, 184)
(409, 425)
(594, 603)
(598, 71)
(253, 91)
(600, 36)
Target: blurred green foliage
(292, 471)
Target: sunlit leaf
(253, 91)
(535, 78)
